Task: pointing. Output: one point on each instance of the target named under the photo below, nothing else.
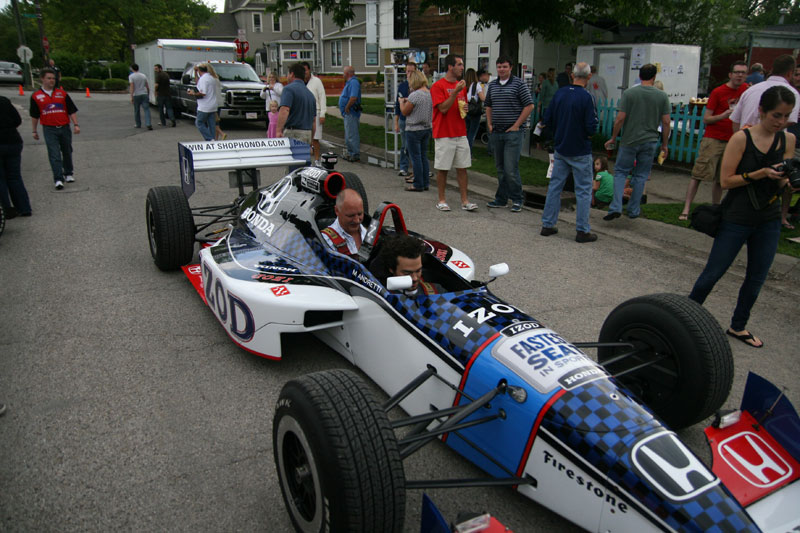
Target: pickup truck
(240, 91)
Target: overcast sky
(218, 5)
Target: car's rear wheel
(682, 367)
(337, 457)
(170, 227)
(351, 181)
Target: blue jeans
(506, 158)
(141, 100)
(59, 150)
(206, 123)
(11, 179)
(165, 102)
(762, 243)
(473, 123)
(401, 123)
(418, 151)
(635, 161)
(351, 138)
(581, 166)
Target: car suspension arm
(472, 482)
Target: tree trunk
(129, 36)
(509, 46)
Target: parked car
(10, 72)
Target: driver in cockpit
(401, 255)
(346, 233)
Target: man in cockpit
(346, 233)
(401, 255)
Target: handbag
(706, 219)
(474, 109)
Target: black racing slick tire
(351, 181)
(337, 457)
(682, 368)
(170, 227)
(2, 220)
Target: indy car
(589, 438)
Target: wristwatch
(747, 178)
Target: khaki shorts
(300, 135)
(709, 159)
(318, 133)
(451, 152)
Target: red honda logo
(461, 264)
(194, 270)
(754, 459)
(280, 290)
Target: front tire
(170, 227)
(337, 457)
(694, 376)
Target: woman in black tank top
(751, 210)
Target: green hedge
(116, 84)
(70, 83)
(92, 83)
(120, 70)
(97, 70)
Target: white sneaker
(69, 179)
(59, 185)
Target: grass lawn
(371, 106)
(668, 213)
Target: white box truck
(678, 67)
(174, 54)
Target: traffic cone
(88, 94)
(21, 91)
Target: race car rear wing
(242, 155)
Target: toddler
(272, 131)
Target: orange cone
(21, 91)
(88, 94)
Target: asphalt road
(130, 409)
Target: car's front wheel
(170, 227)
(681, 366)
(337, 457)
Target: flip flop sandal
(410, 180)
(787, 226)
(683, 216)
(442, 206)
(746, 338)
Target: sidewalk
(666, 185)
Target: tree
(9, 40)
(100, 29)
(553, 20)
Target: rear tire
(337, 457)
(170, 227)
(695, 377)
(352, 181)
(2, 220)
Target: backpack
(475, 107)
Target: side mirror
(500, 269)
(186, 79)
(399, 283)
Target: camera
(791, 170)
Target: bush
(366, 78)
(97, 70)
(116, 84)
(70, 83)
(379, 77)
(92, 83)
(120, 70)
(70, 64)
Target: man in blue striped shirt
(508, 105)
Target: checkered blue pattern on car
(600, 423)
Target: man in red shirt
(451, 148)
(54, 109)
(718, 131)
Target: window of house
(336, 53)
(372, 54)
(444, 50)
(443, 11)
(296, 20)
(401, 19)
(483, 57)
(257, 22)
(305, 55)
(276, 23)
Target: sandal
(442, 206)
(787, 226)
(747, 338)
(469, 206)
(413, 189)
(410, 179)
(683, 216)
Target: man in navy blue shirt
(296, 118)
(572, 119)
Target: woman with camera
(751, 211)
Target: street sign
(24, 54)
(242, 34)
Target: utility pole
(26, 65)
(40, 23)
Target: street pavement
(130, 409)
